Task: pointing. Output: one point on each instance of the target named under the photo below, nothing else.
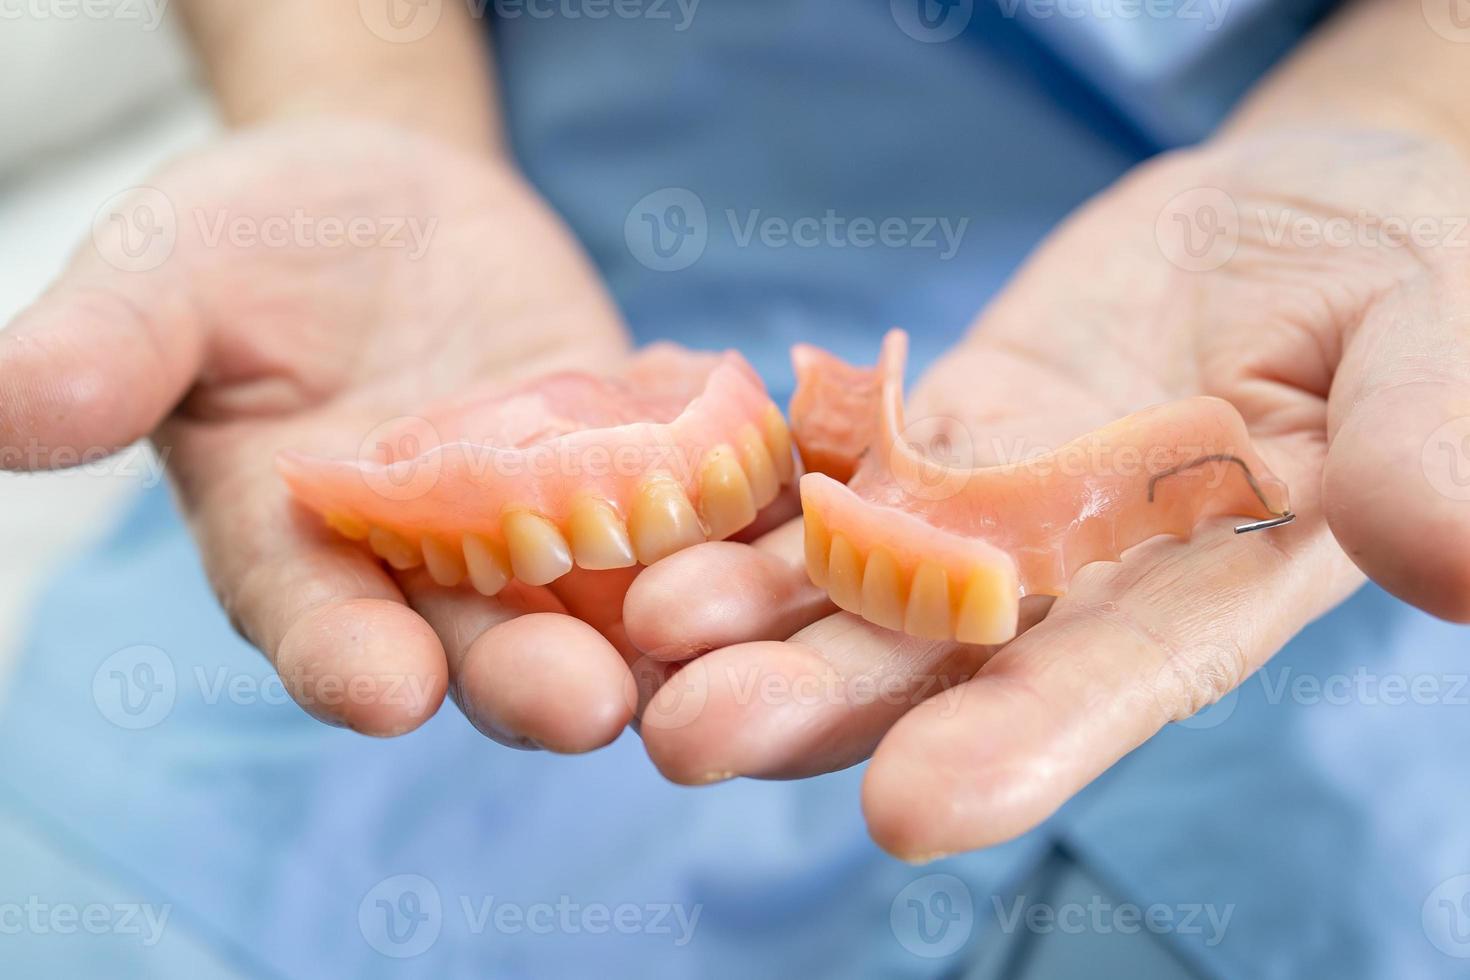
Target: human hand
(1341, 343)
(295, 286)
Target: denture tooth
(845, 575)
(759, 468)
(928, 612)
(662, 521)
(817, 544)
(726, 501)
(487, 563)
(988, 609)
(445, 564)
(538, 552)
(598, 537)
(348, 526)
(393, 548)
(778, 442)
(883, 590)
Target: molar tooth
(883, 590)
(845, 575)
(989, 607)
(817, 544)
(928, 612)
(348, 526)
(486, 561)
(725, 499)
(599, 539)
(445, 564)
(393, 549)
(662, 520)
(778, 441)
(538, 552)
(758, 465)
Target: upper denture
(569, 469)
(914, 543)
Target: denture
(910, 541)
(568, 469)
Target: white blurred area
(93, 95)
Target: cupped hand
(296, 287)
(1321, 284)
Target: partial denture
(567, 470)
(913, 544)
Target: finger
(717, 594)
(98, 361)
(523, 671)
(1397, 481)
(321, 608)
(1132, 647)
(783, 710)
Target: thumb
(102, 357)
(1397, 483)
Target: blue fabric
(1324, 830)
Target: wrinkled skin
(1344, 361)
(228, 354)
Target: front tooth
(817, 545)
(393, 549)
(845, 575)
(662, 520)
(758, 466)
(445, 564)
(883, 590)
(778, 441)
(488, 566)
(928, 608)
(989, 608)
(348, 526)
(538, 552)
(725, 499)
(599, 539)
